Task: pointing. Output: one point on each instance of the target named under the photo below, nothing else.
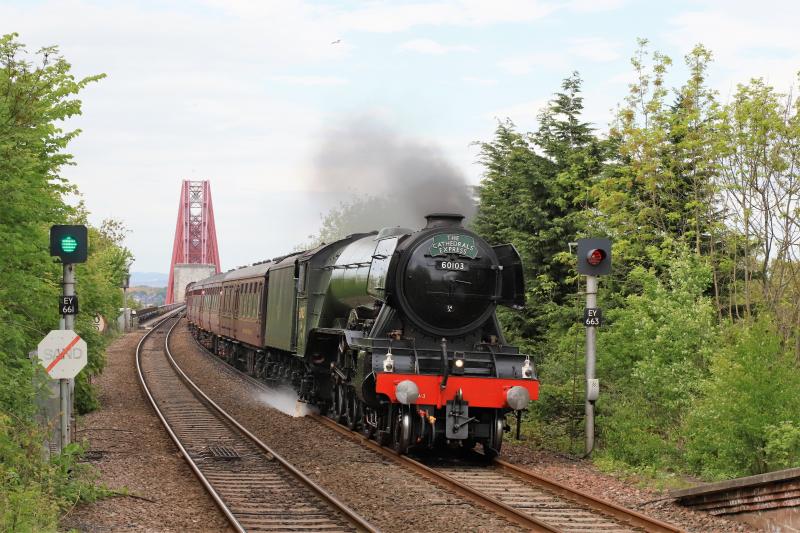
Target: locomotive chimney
(443, 220)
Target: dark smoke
(391, 180)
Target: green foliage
(652, 354)
(699, 199)
(539, 203)
(34, 101)
(666, 322)
(782, 448)
(749, 411)
(99, 280)
(514, 209)
(32, 490)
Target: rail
(228, 460)
(518, 514)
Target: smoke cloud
(393, 180)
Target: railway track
(256, 489)
(522, 497)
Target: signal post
(62, 352)
(594, 259)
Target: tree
(540, 203)
(34, 99)
(631, 195)
(516, 207)
(759, 173)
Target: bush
(749, 412)
(35, 100)
(782, 449)
(652, 359)
(33, 490)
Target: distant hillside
(149, 279)
(148, 296)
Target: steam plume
(394, 180)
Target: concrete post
(65, 385)
(591, 357)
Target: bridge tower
(194, 253)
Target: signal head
(69, 242)
(594, 257)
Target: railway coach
(392, 332)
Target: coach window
(259, 290)
(252, 300)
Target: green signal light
(68, 244)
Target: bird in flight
(337, 41)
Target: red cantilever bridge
(194, 253)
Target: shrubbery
(34, 100)
(749, 412)
(653, 356)
(680, 392)
(33, 491)
(698, 356)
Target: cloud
(310, 80)
(235, 90)
(746, 42)
(480, 81)
(594, 6)
(429, 46)
(627, 77)
(525, 64)
(595, 49)
(524, 114)
(388, 16)
(591, 48)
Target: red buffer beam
(195, 233)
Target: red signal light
(595, 256)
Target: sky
(244, 92)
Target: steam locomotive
(392, 332)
